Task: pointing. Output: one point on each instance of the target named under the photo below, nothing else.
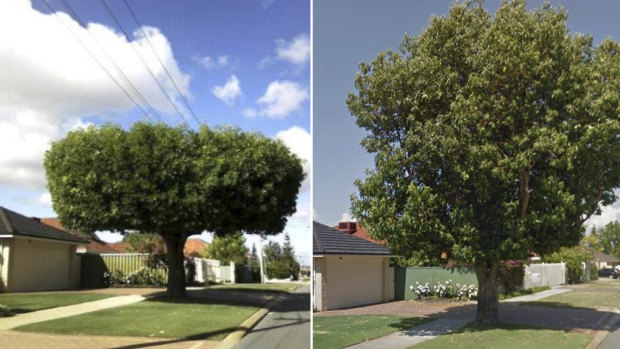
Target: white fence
(552, 274)
(211, 270)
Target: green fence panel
(95, 265)
(406, 277)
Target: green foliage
(573, 257)
(593, 271)
(609, 238)
(523, 292)
(510, 276)
(141, 277)
(493, 136)
(143, 243)
(280, 261)
(172, 181)
(228, 248)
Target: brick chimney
(347, 227)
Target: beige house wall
(353, 280)
(319, 284)
(42, 265)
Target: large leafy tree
(228, 248)
(609, 238)
(174, 182)
(494, 136)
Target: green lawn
(507, 336)
(23, 303)
(601, 295)
(343, 330)
(282, 287)
(518, 293)
(189, 318)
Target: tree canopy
(228, 248)
(494, 136)
(172, 181)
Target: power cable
(92, 55)
(140, 26)
(161, 87)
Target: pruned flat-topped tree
(175, 182)
(494, 136)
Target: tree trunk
(175, 288)
(487, 312)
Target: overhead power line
(161, 87)
(102, 66)
(141, 27)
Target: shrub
(190, 270)
(146, 277)
(5, 311)
(593, 271)
(510, 276)
(445, 290)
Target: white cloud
(45, 199)
(212, 63)
(299, 141)
(296, 51)
(608, 214)
(267, 3)
(250, 113)
(346, 217)
(228, 92)
(49, 82)
(281, 98)
(315, 215)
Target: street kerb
(235, 337)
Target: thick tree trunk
(487, 312)
(175, 288)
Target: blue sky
(348, 32)
(237, 63)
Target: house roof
(327, 240)
(194, 245)
(16, 224)
(359, 231)
(603, 257)
(95, 244)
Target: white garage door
(353, 283)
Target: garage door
(354, 283)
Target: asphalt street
(287, 325)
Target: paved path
(537, 296)
(406, 338)
(612, 339)
(66, 311)
(287, 325)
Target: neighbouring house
(194, 247)
(349, 270)
(95, 244)
(35, 256)
(603, 260)
(355, 229)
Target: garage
(349, 271)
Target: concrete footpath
(537, 296)
(406, 338)
(66, 311)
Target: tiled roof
(602, 257)
(14, 223)
(196, 245)
(327, 240)
(362, 232)
(95, 244)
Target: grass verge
(277, 287)
(518, 293)
(507, 336)
(339, 331)
(191, 318)
(24, 303)
(600, 295)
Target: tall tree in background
(493, 136)
(228, 248)
(143, 243)
(609, 238)
(173, 182)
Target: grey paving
(406, 338)
(287, 325)
(538, 296)
(612, 340)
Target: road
(287, 325)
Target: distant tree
(281, 262)
(254, 264)
(493, 136)
(591, 241)
(228, 248)
(174, 182)
(272, 251)
(143, 243)
(609, 238)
